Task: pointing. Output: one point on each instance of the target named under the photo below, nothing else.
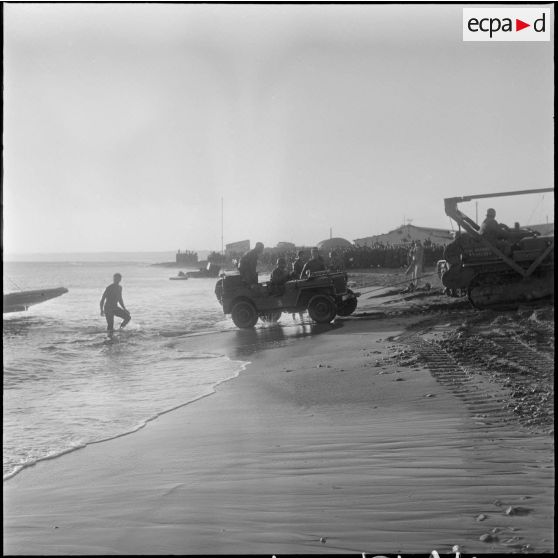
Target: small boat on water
(21, 300)
(212, 270)
(180, 277)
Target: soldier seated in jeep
(298, 265)
(315, 263)
(279, 276)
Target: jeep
(324, 294)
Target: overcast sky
(125, 125)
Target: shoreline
(314, 447)
(143, 424)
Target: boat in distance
(211, 270)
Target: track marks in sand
(499, 452)
(500, 365)
(522, 373)
(479, 396)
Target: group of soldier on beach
(280, 274)
(112, 304)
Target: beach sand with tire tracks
(339, 438)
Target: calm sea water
(65, 386)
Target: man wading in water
(110, 300)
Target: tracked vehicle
(496, 272)
(324, 295)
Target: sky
(146, 127)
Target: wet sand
(326, 443)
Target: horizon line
(96, 252)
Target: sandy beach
(170, 165)
(361, 436)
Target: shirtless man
(110, 300)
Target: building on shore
(406, 234)
(544, 229)
(235, 249)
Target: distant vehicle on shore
(324, 295)
(22, 300)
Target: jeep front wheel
(321, 309)
(347, 308)
(244, 314)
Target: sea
(66, 385)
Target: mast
(222, 229)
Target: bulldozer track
(521, 352)
(484, 400)
(509, 350)
(500, 378)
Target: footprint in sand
(518, 510)
(488, 538)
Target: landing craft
(498, 272)
(22, 300)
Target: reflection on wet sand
(248, 341)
